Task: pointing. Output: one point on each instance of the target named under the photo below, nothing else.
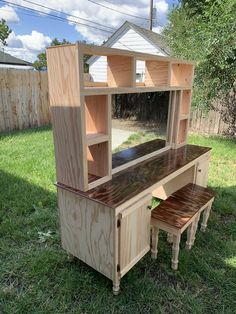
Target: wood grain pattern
(181, 206)
(181, 74)
(87, 231)
(173, 185)
(107, 51)
(23, 99)
(120, 71)
(68, 117)
(97, 156)
(131, 182)
(134, 235)
(186, 102)
(156, 73)
(183, 128)
(96, 114)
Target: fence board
(24, 104)
(210, 123)
(23, 99)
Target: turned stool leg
(155, 234)
(169, 237)
(175, 252)
(190, 232)
(206, 215)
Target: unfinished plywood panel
(176, 183)
(64, 64)
(181, 74)
(120, 71)
(87, 231)
(186, 102)
(183, 128)
(134, 233)
(156, 73)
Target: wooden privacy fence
(23, 99)
(210, 123)
(24, 104)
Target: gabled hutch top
(81, 111)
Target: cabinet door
(202, 168)
(134, 234)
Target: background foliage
(4, 32)
(205, 31)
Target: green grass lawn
(35, 276)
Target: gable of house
(130, 38)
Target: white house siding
(130, 40)
(16, 67)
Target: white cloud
(35, 41)
(32, 44)
(96, 13)
(27, 47)
(9, 14)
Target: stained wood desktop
(132, 181)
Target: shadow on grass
(36, 277)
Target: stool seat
(181, 206)
(178, 212)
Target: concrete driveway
(119, 136)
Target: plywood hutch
(105, 200)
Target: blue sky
(32, 32)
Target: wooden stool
(178, 212)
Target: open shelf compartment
(96, 119)
(181, 74)
(157, 73)
(98, 161)
(186, 102)
(183, 129)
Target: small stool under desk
(179, 212)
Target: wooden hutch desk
(105, 200)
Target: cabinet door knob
(199, 170)
(149, 207)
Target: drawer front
(134, 234)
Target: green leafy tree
(205, 31)
(41, 62)
(4, 32)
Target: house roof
(154, 38)
(6, 58)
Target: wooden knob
(199, 170)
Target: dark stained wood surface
(181, 206)
(129, 154)
(92, 178)
(134, 180)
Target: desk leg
(155, 235)
(169, 237)
(116, 287)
